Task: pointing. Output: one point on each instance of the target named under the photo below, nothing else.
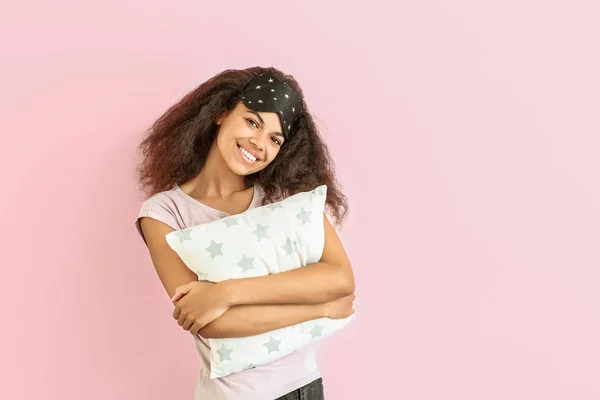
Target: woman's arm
(169, 267)
(250, 320)
(326, 280)
(329, 279)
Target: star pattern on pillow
(289, 246)
(261, 231)
(246, 263)
(183, 235)
(231, 221)
(275, 206)
(224, 353)
(215, 249)
(317, 330)
(272, 345)
(304, 216)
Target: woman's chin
(241, 169)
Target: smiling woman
(242, 139)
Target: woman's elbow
(350, 286)
(347, 282)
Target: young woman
(242, 139)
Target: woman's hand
(199, 303)
(340, 308)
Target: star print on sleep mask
(267, 93)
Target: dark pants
(312, 391)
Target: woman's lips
(247, 160)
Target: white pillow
(263, 240)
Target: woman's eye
(251, 121)
(277, 141)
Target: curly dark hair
(176, 145)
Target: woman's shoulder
(162, 206)
(166, 199)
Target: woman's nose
(256, 146)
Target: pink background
(466, 135)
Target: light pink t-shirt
(265, 382)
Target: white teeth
(249, 156)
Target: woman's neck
(216, 179)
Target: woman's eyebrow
(263, 122)
(259, 118)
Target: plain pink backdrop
(465, 133)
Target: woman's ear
(220, 117)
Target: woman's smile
(247, 156)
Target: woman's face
(249, 140)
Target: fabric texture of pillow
(263, 240)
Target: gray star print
(317, 330)
(272, 344)
(288, 247)
(214, 249)
(275, 205)
(246, 263)
(261, 231)
(270, 80)
(258, 87)
(224, 353)
(304, 216)
(183, 235)
(230, 221)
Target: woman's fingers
(187, 324)
(196, 328)
(181, 319)
(180, 291)
(176, 297)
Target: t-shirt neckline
(212, 209)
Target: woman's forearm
(249, 320)
(316, 283)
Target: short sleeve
(158, 210)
